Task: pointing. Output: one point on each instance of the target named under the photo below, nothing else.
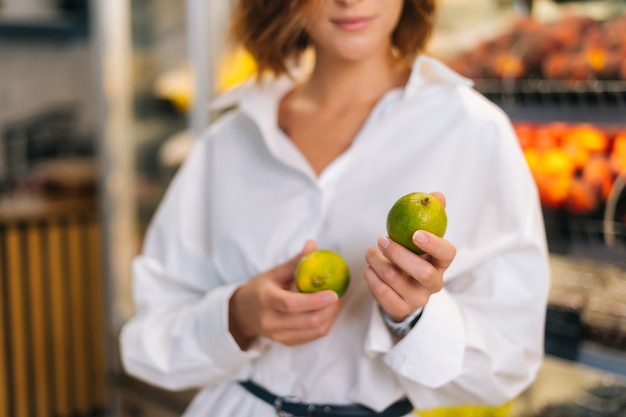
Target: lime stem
(317, 282)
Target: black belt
(296, 408)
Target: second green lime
(412, 212)
(322, 269)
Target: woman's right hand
(267, 306)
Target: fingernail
(419, 237)
(383, 242)
(331, 297)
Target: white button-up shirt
(246, 199)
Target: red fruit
(588, 137)
(597, 173)
(583, 198)
(553, 190)
(509, 66)
(578, 154)
(525, 135)
(619, 143)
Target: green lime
(322, 269)
(416, 211)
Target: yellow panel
(78, 312)
(4, 383)
(504, 410)
(43, 407)
(97, 313)
(60, 334)
(18, 322)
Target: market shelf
(540, 100)
(602, 357)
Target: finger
(441, 251)
(302, 321)
(390, 273)
(386, 296)
(418, 268)
(439, 197)
(298, 337)
(284, 273)
(309, 246)
(295, 302)
(308, 320)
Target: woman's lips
(352, 23)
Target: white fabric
(403, 326)
(246, 200)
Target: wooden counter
(52, 315)
(17, 209)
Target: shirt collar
(426, 71)
(260, 100)
(429, 71)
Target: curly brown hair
(272, 31)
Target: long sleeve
(496, 338)
(480, 340)
(179, 337)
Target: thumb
(309, 246)
(284, 272)
(439, 196)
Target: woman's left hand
(402, 281)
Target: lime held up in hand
(320, 270)
(412, 212)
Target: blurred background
(100, 101)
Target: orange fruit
(596, 58)
(412, 212)
(578, 154)
(549, 135)
(533, 159)
(508, 65)
(617, 162)
(583, 198)
(322, 269)
(597, 172)
(589, 137)
(556, 162)
(619, 143)
(553, 189)
(525, 134)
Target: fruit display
(573, 48)
(412, 212)
(322, 269)
(603, 400)
(592, 290)
(605, 320)
(504, 410)
(574, 165)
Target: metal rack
(539, 100)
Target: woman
(316, 160)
